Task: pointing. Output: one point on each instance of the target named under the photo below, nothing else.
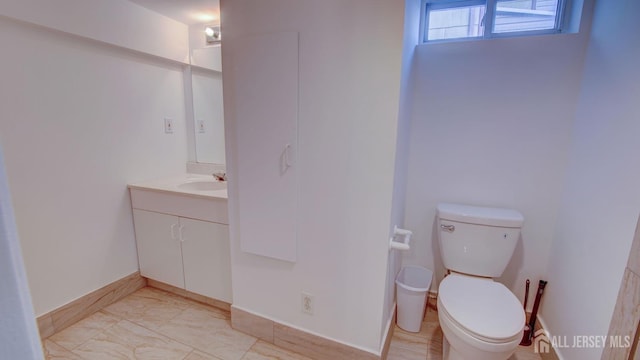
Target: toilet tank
(477, 240)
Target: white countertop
(171, 185)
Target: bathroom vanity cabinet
(186, 253)
(183, 240)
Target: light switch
(201, 126)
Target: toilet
(480, 318)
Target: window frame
(491, 9)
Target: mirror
(202, 77)
(208, 115)
(206, 95)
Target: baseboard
(252, 324)
(67, 315)
(552, 354)
(433, 294)
(299, 341)
(189, 295)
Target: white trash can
(412, 284)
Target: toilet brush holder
(526, 336)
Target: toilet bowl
(480, 319)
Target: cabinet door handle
(173, 232)
(287, 155)
(182, 237)
(285, 159)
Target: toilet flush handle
(449, 228)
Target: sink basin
(203, 185)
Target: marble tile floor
(154, 324)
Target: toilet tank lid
(480, 215)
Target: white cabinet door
(265, 73)
(158, 247)
(206, 255)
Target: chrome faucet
(220, 176)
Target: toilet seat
(486, 309)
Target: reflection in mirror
(208, 115)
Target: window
(459, 19)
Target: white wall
(491, 125)
(350, 60)
(410, 40)
(116, 22)
(78, 121)
(601, 199)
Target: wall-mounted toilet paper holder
(405, 234)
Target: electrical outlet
(307, 303)
(168, 126)
(201, 128)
